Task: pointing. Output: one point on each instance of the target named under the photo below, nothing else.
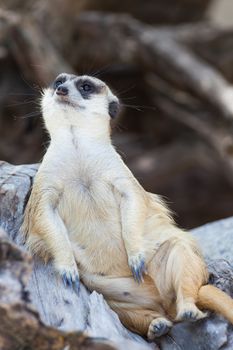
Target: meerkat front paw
(137, 266)
(69, 275)
(71, 279)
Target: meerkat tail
(212, 298)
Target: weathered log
(216, 239)
(64, 316)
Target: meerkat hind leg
(178, 268)
(187, 286)
(187, 309)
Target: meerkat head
(78, 100)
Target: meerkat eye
(86, 87)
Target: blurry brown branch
(217, 134)
(158, 50)
(32, 50)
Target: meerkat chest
(88, 194)
(90, 209)
(89, 204)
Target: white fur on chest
(89, 204)
(80, 155)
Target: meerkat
(89, 214)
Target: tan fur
(88, 213)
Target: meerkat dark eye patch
(87, 88)
(113, 108)
(60, 80)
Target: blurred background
(171, 64)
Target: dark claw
(77, 284)
(138, 271)
(189, 316)
(160, 329)
(66, 278)
(69, 282)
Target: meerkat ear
(113, 108)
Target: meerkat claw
(77, 284)
(71, 281)
(138, 268)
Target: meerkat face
(71, 98)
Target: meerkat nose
(62, 90)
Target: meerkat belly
(90, 210)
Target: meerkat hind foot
(190, 313)
(158, 327)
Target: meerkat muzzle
(62, 91)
